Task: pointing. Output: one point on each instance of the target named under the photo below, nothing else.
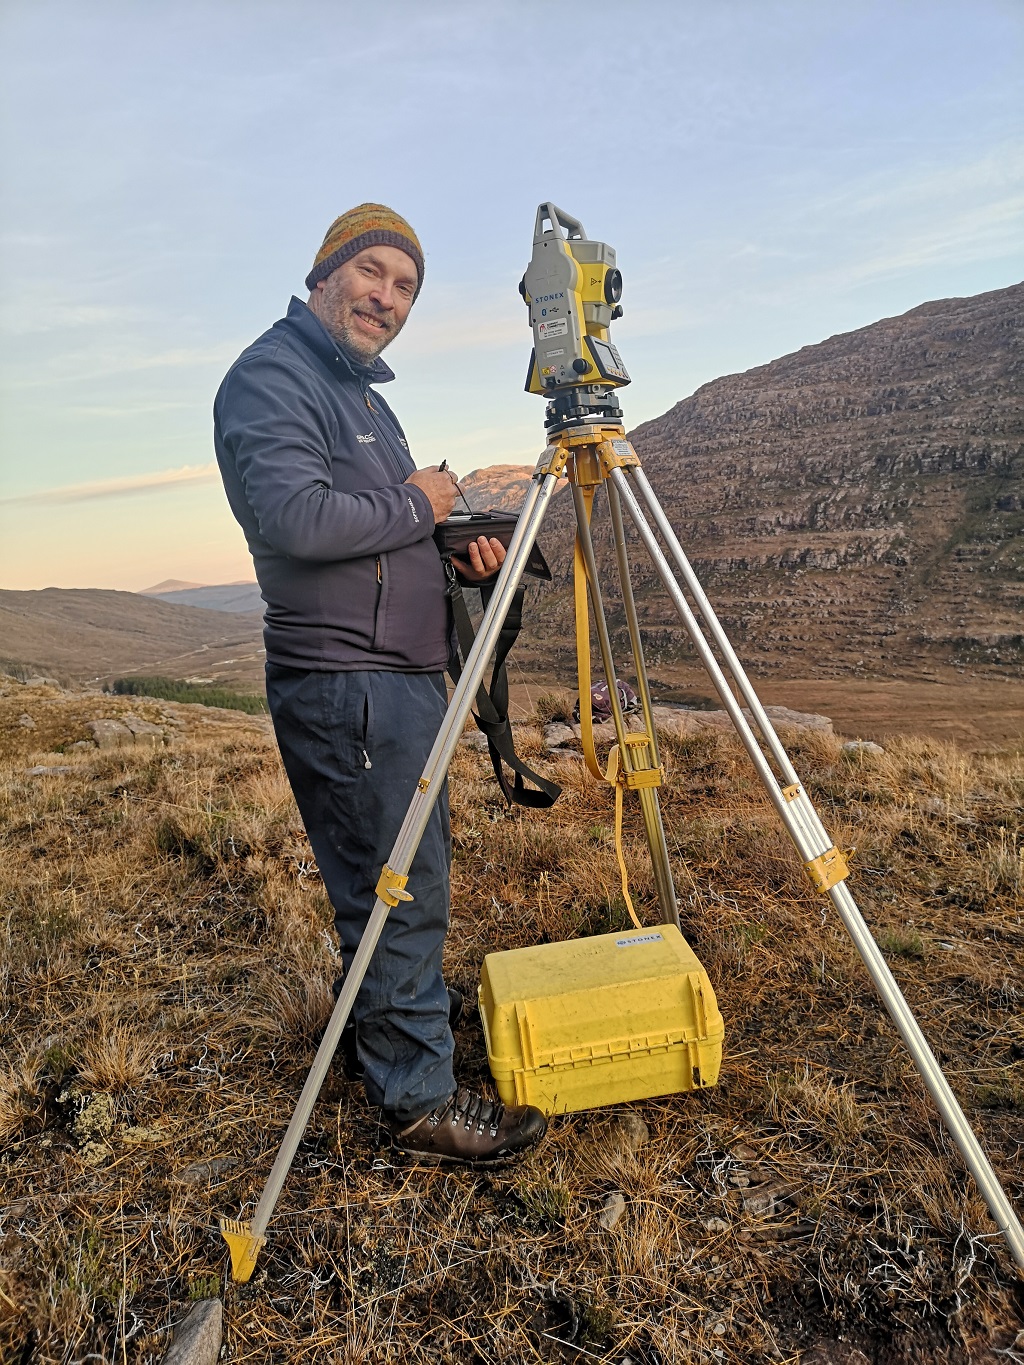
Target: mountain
(95, 634)
(854, 510)
(499, 487)
(169, 585)
(855, 506)
(244, 597)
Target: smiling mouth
(377, 324)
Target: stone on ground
(862, 746)
(110, 734)
(197, 1337)
(679, 722)
(612, 1210)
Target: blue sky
(770, 175)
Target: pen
(442, 468)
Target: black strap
(491, 714)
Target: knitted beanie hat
(367, 225)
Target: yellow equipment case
(600, 1021)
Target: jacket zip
(382, 432)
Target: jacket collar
(310, 330)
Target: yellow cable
(616, 777)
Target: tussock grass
(165, 970)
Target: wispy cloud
(81, 366)
(30, 307)
(131, 485)
(974, 234)
(977, 180)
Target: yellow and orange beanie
(367, 225)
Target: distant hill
(234, 597)
(96, 634)
(858, 505)
(498, 487)
(169, 585)
(855, 509)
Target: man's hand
(485, 559)
(439, 486)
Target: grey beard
(358, 356)
(357, 353)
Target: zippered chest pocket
(397, 454)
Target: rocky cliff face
(856, 505)
(497, 488)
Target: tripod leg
(650, 803)
(603, 638)
(245, 1239)
(813, 844)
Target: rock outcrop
(859, 503)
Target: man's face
(365, 302)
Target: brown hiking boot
(471, 1131)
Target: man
(339, 522)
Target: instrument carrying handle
(557, 218)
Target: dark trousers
(354, 746)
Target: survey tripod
(572, 289)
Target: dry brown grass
(165, 971)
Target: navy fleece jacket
(314, 465)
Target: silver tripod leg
(811, 839)
(245, 1239)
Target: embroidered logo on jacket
(365, 440)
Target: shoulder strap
(491, 714)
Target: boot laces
(472, 1111)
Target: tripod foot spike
(244, 1247)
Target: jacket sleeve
(275, 434)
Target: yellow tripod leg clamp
(390, 886)
(617, 453)
(643, 777)
(828, 869)
(553, 459)
(244, 1248)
